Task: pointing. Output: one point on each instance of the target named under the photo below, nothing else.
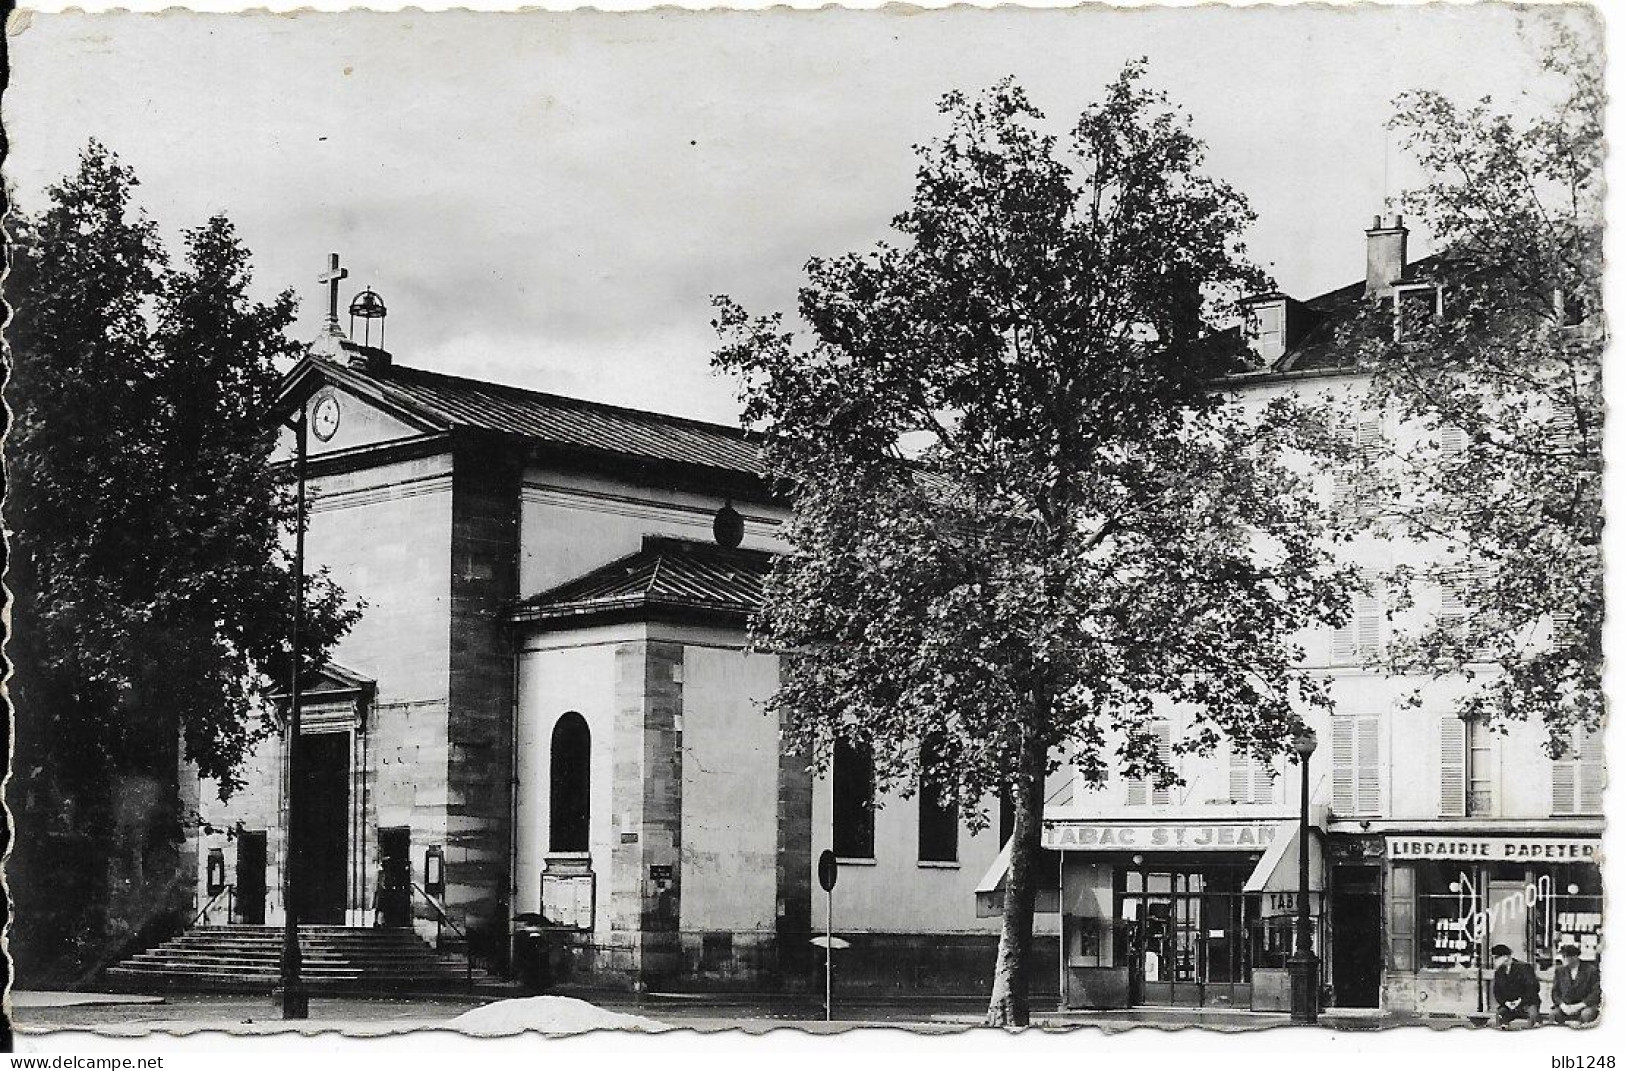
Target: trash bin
(532, 948)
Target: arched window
(570, 777)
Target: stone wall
(484, 567)
(384, 534)
(645, 890)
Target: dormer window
(1570, 310)
(1416, 305)
(1266, 324)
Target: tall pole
(1304, 967)
(829, 954)
(295, 1000)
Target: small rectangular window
(1480, 771)
(1466, 768)
(1416, 307)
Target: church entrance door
(321, 782)
(251, 877)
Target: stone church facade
(547, 708)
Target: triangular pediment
(345, 411)
(332, 681)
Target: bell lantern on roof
(367, 307)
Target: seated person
(1576, 989)
(1516, 989)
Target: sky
(551, 198)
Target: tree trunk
(1009, 1005)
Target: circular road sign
(826, 870)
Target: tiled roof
(670, 575)
(451, 401)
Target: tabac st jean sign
(1186, 836)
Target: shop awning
(990, 890)
(1277, 871)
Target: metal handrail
(468, 948)
(205, 910)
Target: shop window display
(1571, 913)
(1449, 901)
(1463, 908)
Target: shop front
(1195, 914)
(1452, 897)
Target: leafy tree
(1505, 483)
(151, 595)
(1027, 518)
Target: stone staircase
(335, 959)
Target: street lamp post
(295, 998)
(1303, 965)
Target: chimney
(370, 359)
(1384, 255)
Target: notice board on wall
(567, 900)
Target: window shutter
(1359, 640)
(1347, 494)
(1561, 427)
(1263, 783)
(1565, 772)
(1240, 776)
(1250, 780)
(1165, 747)
(1452, 441)
(1136, 796)
(1368, 622)
(1452, 607)
(1452, 767)
(1343, 762)
(1592, 773)
(1368, 780)
(1577, 778)
(1343, 496)
(1343, 646)
(1562, 625)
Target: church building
(547, 708)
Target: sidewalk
(26, 998)
(1230, 1020)
(123, 1014)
